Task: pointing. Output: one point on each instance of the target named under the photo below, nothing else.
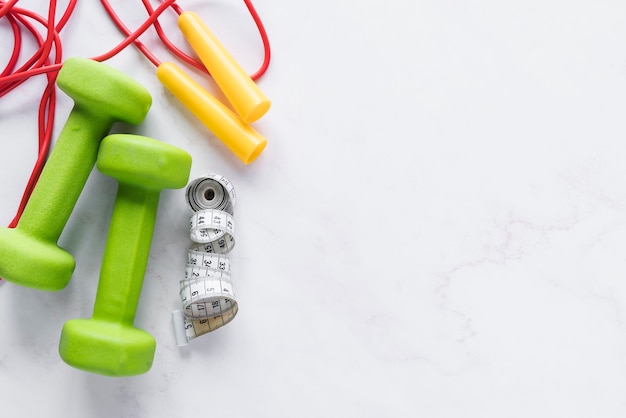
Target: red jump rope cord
(40, 59)
(177, 51)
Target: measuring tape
(207, 293)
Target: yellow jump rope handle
(245, 142)
(245, 96)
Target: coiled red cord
(48, 60)
(20, 18)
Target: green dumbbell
(108, 343)
(29, 254)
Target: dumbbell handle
(64, 175)
(126, 254)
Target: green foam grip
(29, 254)
(108, 343)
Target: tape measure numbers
(207, 293)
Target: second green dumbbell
(108, 343)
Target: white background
(437, 227)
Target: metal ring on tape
(207, 294)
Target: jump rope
(48, 59)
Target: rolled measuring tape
(207, 294)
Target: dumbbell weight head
(105, 347)
(144, 162)
(31, 262)
(104, 90)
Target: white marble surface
(437, 227)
